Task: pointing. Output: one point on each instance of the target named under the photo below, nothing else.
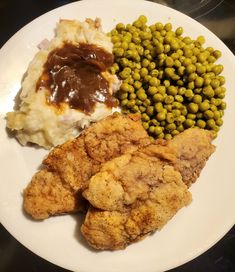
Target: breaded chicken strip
(166, 194)
(193, 147)
(137, 193)
(47, 194)
(128, 179)
(71, 164)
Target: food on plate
(130, 185)
(129, 178)
(67, 85)
(137, 193)
(56, 188)
(171, 79)
(114, 230)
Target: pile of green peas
(171, 80)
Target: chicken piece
(47, 194)
(192, 148)
(128, 178)
(139, 192)
(69, 166)
(113, 230)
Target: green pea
(152, 90)
(199, 81)
(169, 72)
(201, 69)
(154, 81)
(145, 117)
(170, 117)
(218, 69)
(192, 76)
(208, 114)
(171, 127)
(223, 105)
(172, 90)
(124, 102)
(158, 97)
(169, 99)
(147, 102)
(197, 99)
(132, 95)
(201, 123)
(158, 130)
(189, 123)
(125, 87)
(191, 68)
(142, 108)
(169, 62)
(217, 54)
(187, 62)
(211, 59)
(210, 123)
(219, 122)
(159, 26)
(179, 31)
(221, 80)
(204, 106)
(137, 85)
(150, 110)
(208, 91)
(145, 125)
(143, 72)
(168, 26)
(168, 136)
(217, 115)
(180, 128)
(188, 93)
(161, 116)
(193, 107)
(166, 83)
(131, 103)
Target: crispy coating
(129, 178)
(193, 147)
(137, 193)
(113, 230)
(69, 166)
(47, 193)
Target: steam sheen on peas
(171, 80)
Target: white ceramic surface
(191, 232)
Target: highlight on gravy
(73, 74)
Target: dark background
(219, 17)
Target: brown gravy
(73, 75)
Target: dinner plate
(191, 232)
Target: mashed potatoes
(46, 124)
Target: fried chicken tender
(116, 229)
(192, 148)
(47, 194)
(127, 179)
(137, 193)
(68, 167)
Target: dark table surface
(219, 17)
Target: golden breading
(115, 229)
(193, 147)
(71, 164)
(137, 193)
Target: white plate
(191, 232)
